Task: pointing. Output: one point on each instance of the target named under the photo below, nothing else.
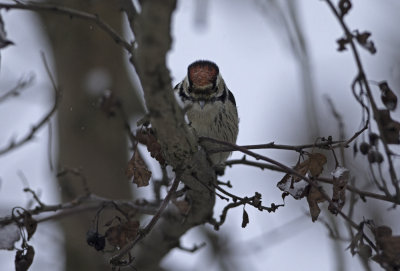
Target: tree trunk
(88, 62)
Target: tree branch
(57, 98)
(179, 144)
(72, 13)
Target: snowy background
(259, 68)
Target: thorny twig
(57, 98)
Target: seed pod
(373, 139)
(364, 148)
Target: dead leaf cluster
(137, 169)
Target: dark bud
(364, 148)
(388, 97)
(96, 240)
(342, 44)
(245, 219)
(344, 7)
(373, 138)
(375, 157)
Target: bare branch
(16, 91)
(115, 260)
(57, 98)
(362, 78)
(72, 13)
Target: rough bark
(180, 146)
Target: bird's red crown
(202, 73)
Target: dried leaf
(344, 7)
(257, 200)
(388, 97)
(296, 186)
(138, 170)
(9, 234)
(4, 42)
(183, 206)
(388, 248)
(342, 42)
(245, 219)
(355, 242)
(317, 162)
(146, 137)
(30, 224)
(362, 38)
(313, 198)
(120, 235)
(24, 258)
(340, 179)
(391, 128)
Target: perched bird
(211, 107)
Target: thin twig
(57, 98)
(363, 78)
(72, 13)
(272, 145)
(115, 260)
(16, 90)
(75, 206)
(363, 194)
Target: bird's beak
(202, 103)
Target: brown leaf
(120, 235)
(342, 42)
(388, 248)
(313, 198)
(317, 162)
(245, 219)
(391, 128)
(388, 97)
(24, 258)
(30, 224)
(364, 40)
(294, 185)
(183, 206)
(340, 179)
(138, 170)
(356, 241)
(147, 137)
(363, 37)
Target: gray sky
(260, 70)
